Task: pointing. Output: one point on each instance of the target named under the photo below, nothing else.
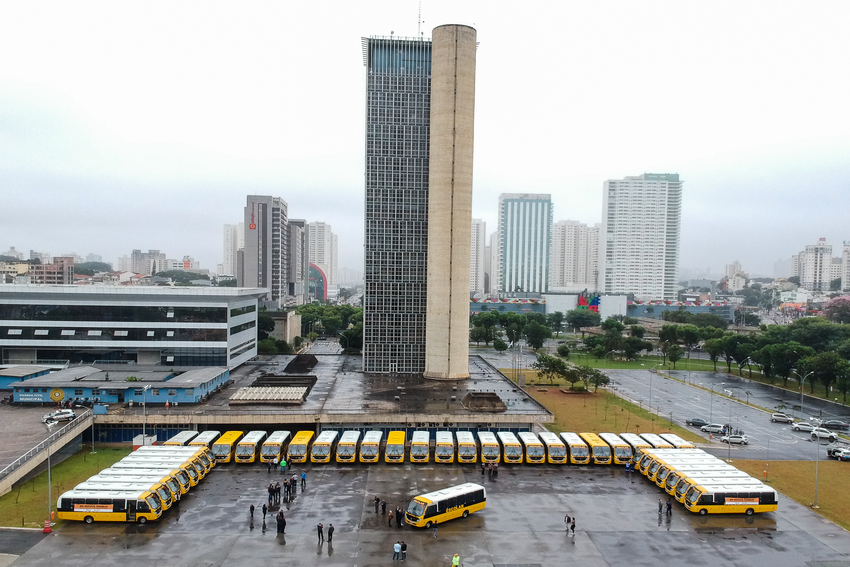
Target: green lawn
(26, 505)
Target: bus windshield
(654, 467)
(270, 450)
(693, 495)
(220, 450)
(444, 450)
(321, 450)
(419, 450)
(163, 493)
(466, 450)
(513, 451)
(345, 450)
(244, 450)
(623, 452)
(369, 450)
(602, 451)
(416, 508)
(182, 477)
(297, 450)
(490, 451)
(535, 451)
(204, 459)
(558, 451)
(395, 450)
(193, 474)
(153, 502)
(580, 451)
(172, 484)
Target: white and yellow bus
(248, 448)
(274, 447)
(420, 447)
(556, 450)
(444, 447)
(637, 444)
(200, 455)
(579, 452)
(730, 499)
(621, 450)
(467, 450)
(447, 504)
(685, 479)
(323, 447)
(225, 445)
(182, 438)
(205, 439)
(370, 447)
(491, 452)
(535, 452)
(677, 441)
(346, 449)
(671, 467)
(599, 449)
(174, 486)
(180, 475)
(299, 447)
(656, 441)
(120, 506)
(190, 464)
(394, 450)
(113, 484)
(511, 448)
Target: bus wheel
(750, 511)
(428, 525)
(88, 520)
(465, 513)
(703, 512)
(143, 520)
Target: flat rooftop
(22, 371)
(117, 378)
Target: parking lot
(617, 524)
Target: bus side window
(66, 505)
(706, 499)
(142, 506)
(431, 511)
(443, 505)
(119, 505)
(476, 497)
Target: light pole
(802, 383)
(729, 433)
(144, 413)
(817, 468)
(711, 403)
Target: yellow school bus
(224, 448)
(578, 450)
(444, 447)
(273, 447)
(677, 441)
(511, 448)
(394, 451)
(370, 448)
(182, 438)
(346, 449)
(420, 447)
(190, 464)
(199, 455)
(730, 499)
(299, 447)
(112, 484)
(556, 450)
(491, 452)
(599, 449)
(447, 504)
(535, 452)
(323, 447)
(621, 451)
(205, 439)
(153, 476)
(467, 450)
(180, 475)
(119, 506)
(249, 447)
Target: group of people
(570, 522)
(399, 551)
(289, 489)
(491, 468)
(321, 531)
(399, 512)
(274, 465)
(669, 507)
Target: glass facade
(398, 103)
(89, 334)
(119, 313)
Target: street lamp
(144, 413)
(802, 383)
(711, 402)
(729, 433)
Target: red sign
(253, 225)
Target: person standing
(277, 520)
(567, 522)
(303, 480)
(251, 508)
(282, 523)
(321, 531)
(483, 466)
(396, 550)
(399, 516)
(390, 520)
(573, 527)
(435, 531)
(669, 507)
(377, 503)
(456, 560)
(383, 507)
(330, 533)
(660, 506)
(265, 509)
(403, 551)
(283, 465)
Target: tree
(794, 280)
(667, 336)
(331, 324)
(297, 342)
(555, 321)
(538, 317)
(513, 324)
(266, 346)
(633, 345)
(637, 331)
(477, 334)
(500, 345)
(550, 367)
(675, 353)
(825, 366)
(630, 321)
(283, 347)
(563, 351)
(837, 309)
(536, 334)
(578, 319)
(265, 325)
(707, 333)
(714, 348)
(709, 320)
(593, 377)
(842, 383)
(690, 337)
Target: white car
(711, 428)
(802, 426)
(781, 418)
(735, 439)
(821, 433)
(59, 415)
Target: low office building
(14, 374)
(169, 326)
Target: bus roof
(420, 437)
(487, 437)
(550, 438)
(452, 491)
(169, 450)
(614, 439)
(326, 437)
(677, 441)
(302, 437)
(182, 438)
(507, 437)
(656, 441)
(528, 438)
(229, 438)
(760, 487)
(350, 436)
(374, 436)
(634, 440)
(465, 437)
(445, 437)
(117, 484)
(131, 494)
(396, 436)
(133, 477)
(277, 437)
(205, 438)
(138, 470)
(571, 438)
(253, 437)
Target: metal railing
(20, 461)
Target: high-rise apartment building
(233, 241)
(478, 256)
(398, 125)
(574, 263)
(493, 274)
(264, 260)
(299, 264)
(324, 250)
(814, 266)
(148, 263)
(639, 238)
(59, 272)
(845, 267)
(525, 225)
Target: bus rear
(370, 448)
(511, 447)
(420, 447)
(556, 451)
(579, 452)
(274, 446)
(346, 449)
(323, 447)
(224, 447)
(467, 450)
(394, 451)
(182, 438)
(205, 439)
(299, 447)
(621, 451)
(248, 447)
(535, 452)
(599, 449)
(491, 451)
(444, 447)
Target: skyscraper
(233, 241)
(324, 249)
(265, 258)
(299, 264)
(639, 239)
(398, 125)
(525, 223)
(814, 266)
(478, 259)
(574, 263)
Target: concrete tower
(450, 202)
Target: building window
(169, 359)
(41, 332)
(95, 333)
(26, 389)
(169, 333)
(120, 333)
(150, 333)
(172, 392)
(78, 392)
(189, 391)
(137, 392)
(68, 332)
(113, 392)
(95, 392)
(155, 392)
(15, 331)
(170, 314)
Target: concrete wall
(450, 201)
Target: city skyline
(759, 126)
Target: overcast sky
(145, 124)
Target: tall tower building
(639, 239)
(233, 241)
(478, 256)
(493, 274)
(525, 224)
(398, 125)
(265, 258)
(299, 265)
(574, 263)
(450, 202)
(814, 266)
(324, 249)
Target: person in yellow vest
(456, 560)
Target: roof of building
(22, 370)
(91, 377)
(109, 292)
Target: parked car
(696, 422)
(59, 415)
(821, 433)
(711, 428)
(840, 453)
(735, 439)
(802, 426)
(781, 418)
(834, 424)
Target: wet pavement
(617, 524)
(21, 429)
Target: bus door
(131, 510)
